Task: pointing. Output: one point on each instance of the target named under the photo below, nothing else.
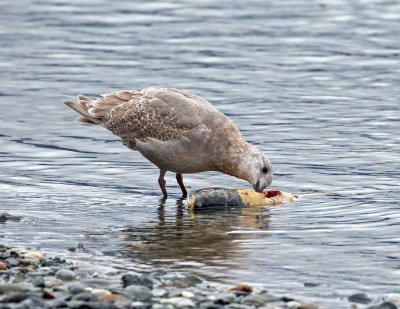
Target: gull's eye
(265, 170)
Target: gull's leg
(179, 179)
(161, 182)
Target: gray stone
(73, 304)
(239, 306)
(178, 302)
(210, 305)
(32, 303)
(224, 298)
(15, 287)
(12, 261)
(384, 305)
(17, 297)
(65, 275)
(138, 293)
(84, 296)
(259, 299)
(137, 279)
(38, 282)
(76, 288)
(359, 298)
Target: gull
(178, 132)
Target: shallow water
(314, 85)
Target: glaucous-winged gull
(178, 132)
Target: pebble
(16, 287)
(76, 288)
(137, 279)
(31, 303)
(138, 293)
(162, 306)
(34, 255)
(158, 292)
(138, 305)
(84, 296)
(393, 298)
(178, 302)
(293, 304)
(241, 288)
(359, 298)
(38, 282)
(65, 275)
(224, 298)
(259, 299)
(384, 305)
(12, 261)
(187, 294)
(5, 216)
(3, 266)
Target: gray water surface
(315, 85)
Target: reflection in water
(200, 237)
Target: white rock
(187, 294)
(178, 302)
(158, 292)
(293, 304)
(393, 298)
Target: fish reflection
(188, 236)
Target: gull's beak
(258, 187)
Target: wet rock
(47, 295)
(90, 305)
(158, 292)
(259, 299)
(65, 275)
(162, 306)
(293, 304)
(34, 255)
(138, 305)
(38, 282)
(308, 306)
(240, 306)
(224, 298)
(11, 261)
(359, 298)
(32, 303)
(138, 293)
(241, 288)
(98, 283)
(137, 279)
(76, 288)
(5, 216)
(393, 298)
(17, 297)
(178, 302)
(84, 296)
(187, 294)
(15, 287)
(210, 305)
(384, 305)
(3, 266)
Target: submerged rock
(137, 279)
(359, 298)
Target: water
(314, 85)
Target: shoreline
(30, 279)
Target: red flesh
(272, 193)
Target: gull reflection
(183, 236)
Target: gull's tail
(82, 108)
(93, 110)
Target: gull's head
(258, 170)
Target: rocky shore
(30, 280)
